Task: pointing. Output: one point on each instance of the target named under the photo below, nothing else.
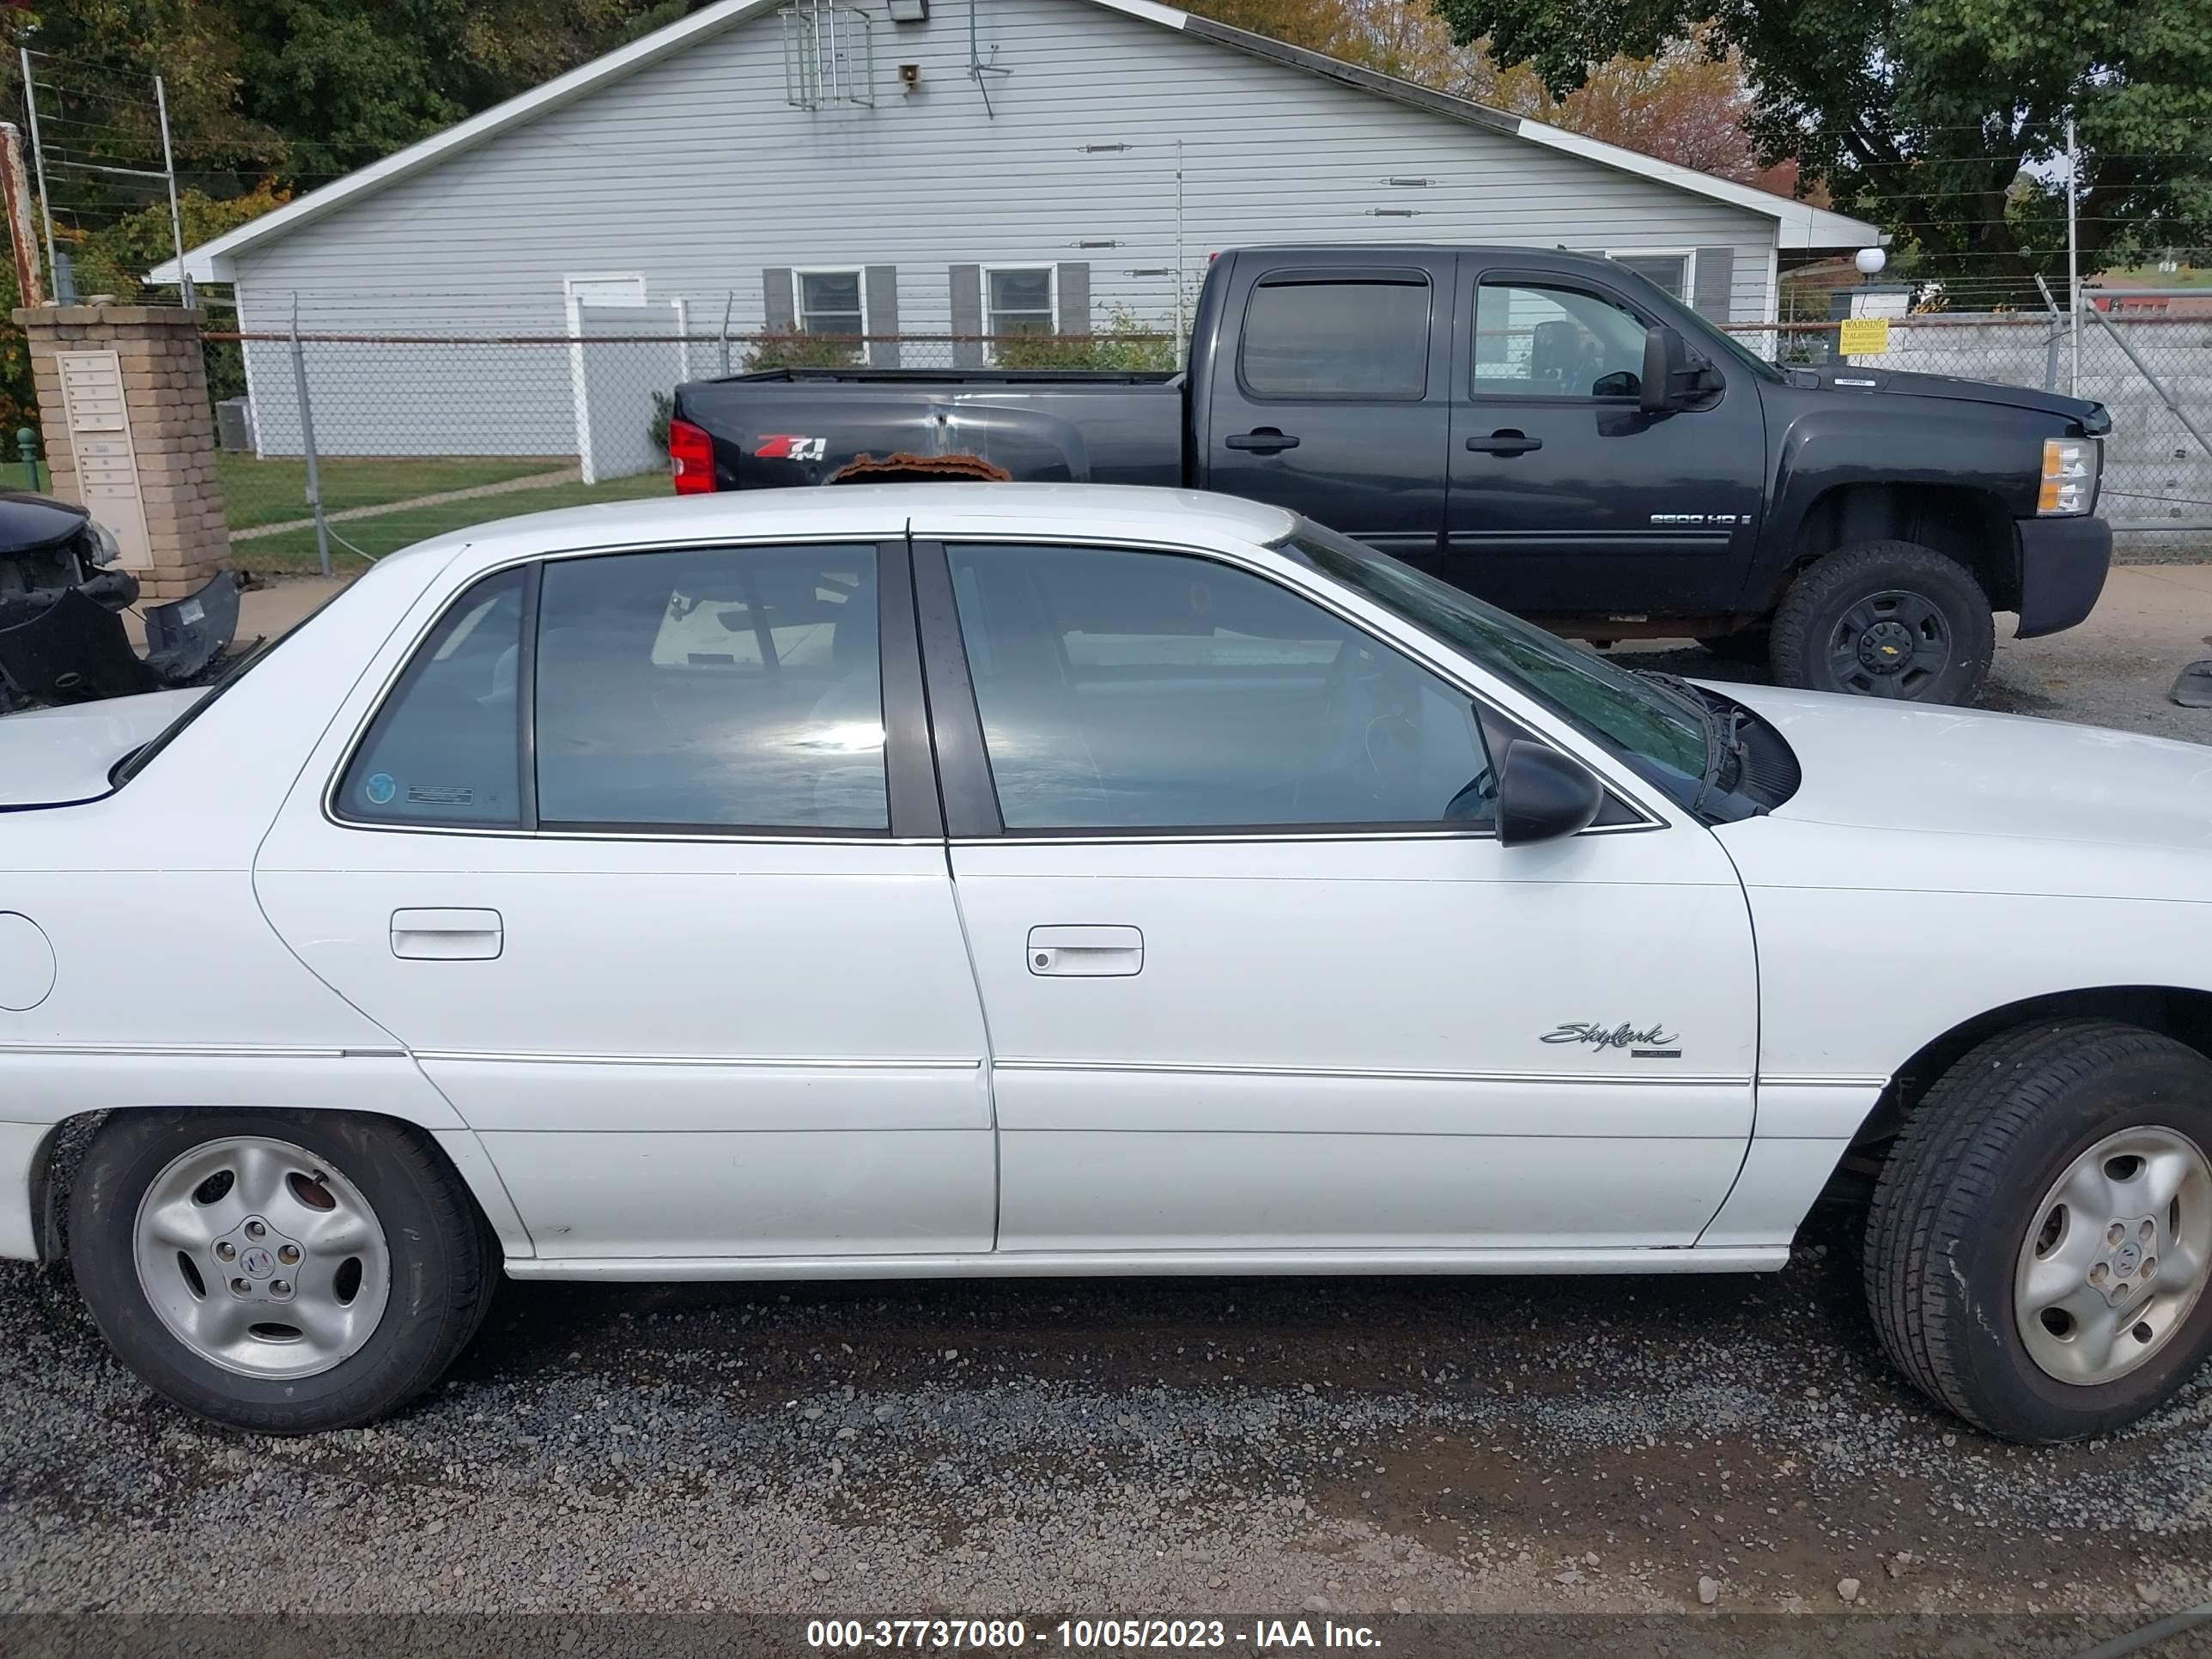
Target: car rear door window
(1362, 338)
(445, 748)
(1124, 691)
(718, 688)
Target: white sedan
(975, 878)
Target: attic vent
(828, 57)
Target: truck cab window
(1351, 339)
(1533, 340)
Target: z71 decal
(788, 447)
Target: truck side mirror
(1675, 377)
(1666, 369)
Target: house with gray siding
(899, 169)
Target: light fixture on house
(909, 11)
(1870, 261)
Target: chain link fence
(339, 448)
(335, 449)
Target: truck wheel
(2041, 1232)
(1886, 619)
(277, 1272)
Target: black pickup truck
(1549, 430)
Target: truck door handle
(1086, 952)
(447, 935)
(1505, 441)
(1262, 441)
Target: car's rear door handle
(1265, 441)
(447, 935)
(1086, 952)
(1505, 441)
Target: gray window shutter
(776, 294)
(883, 314)
(968, 315)
(1075, 298)
(1713, 285)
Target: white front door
(1258, 975)
(614, 860)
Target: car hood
(1850, 377)
(1880, 765)
(61, 757)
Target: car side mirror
(1543, 794)
(1673, 375)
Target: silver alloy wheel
(261, 1258)
(2116, 1255)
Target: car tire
(1984, 1242)
(1886, 619)
(282, 1272)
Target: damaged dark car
(63, 593)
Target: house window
(829, 302)
(1019, 301)
(1667, 270)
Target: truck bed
(805, 425)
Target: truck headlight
(106, 550)
(2069, 476)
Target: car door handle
(447, 935)
(1505, 441)
(1265, 440)
(1083, 952)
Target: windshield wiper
(1723, 743)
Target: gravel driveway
(1554, 1447)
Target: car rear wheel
(1886, 619)
(2040, 1240)
(275, 1272)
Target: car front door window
(1123, 689)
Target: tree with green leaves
(300, 91)
(1943, 121)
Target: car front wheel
(2040, 1239)
(1885, 619)
(275, 1272)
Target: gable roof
(1798, 224)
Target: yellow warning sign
(1863, 337)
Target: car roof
(873, 512)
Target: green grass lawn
(293, 551)
(257, 491)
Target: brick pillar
(144, 467)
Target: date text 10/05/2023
(1086, 1635)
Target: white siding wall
(696, 173)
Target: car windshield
(1652, 728)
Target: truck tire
(1886, 619)
(2041, 1237)
(283, 1273)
